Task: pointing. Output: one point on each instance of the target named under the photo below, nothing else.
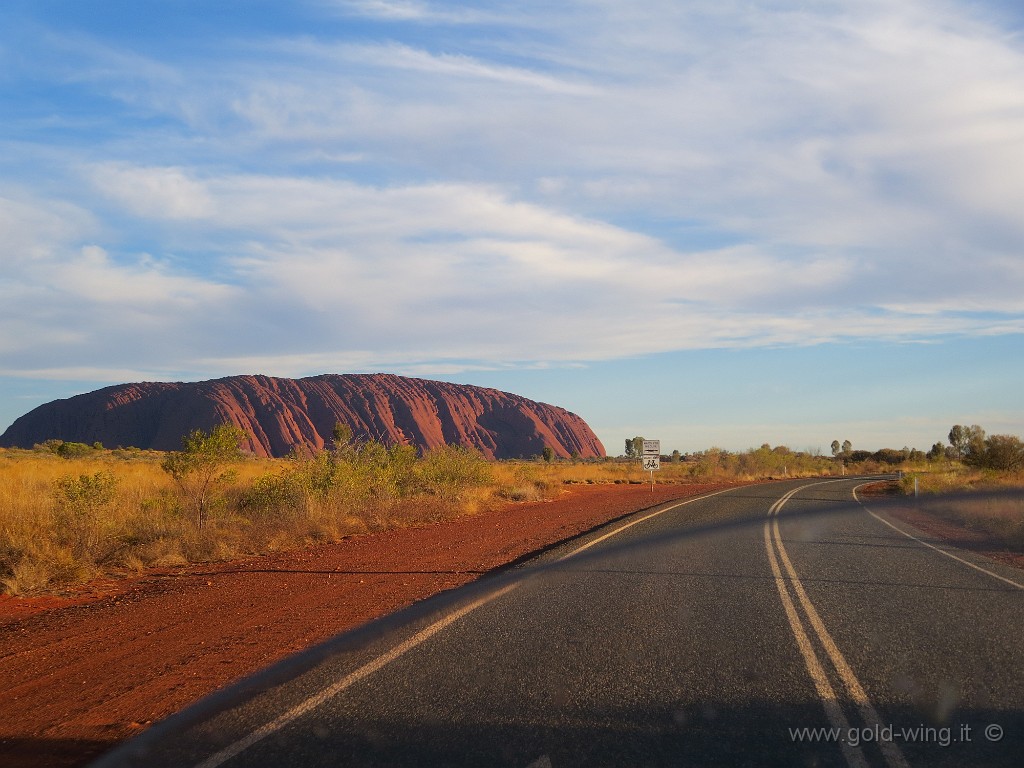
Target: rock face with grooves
(282, 414)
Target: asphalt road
(784, 624)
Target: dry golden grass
(60, 522)
(706, 469)
(1001, 518)
(952, 477)
(46, 541)
(51, 537)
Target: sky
(716, 223)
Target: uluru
(281, 415)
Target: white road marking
(834, 712)
(221, 757)
(621, 528)
(300, 709)
(1011, 582)
(890, 751)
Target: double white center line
(833, 709)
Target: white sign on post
(651, 460)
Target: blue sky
(717, 223)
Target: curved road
(780, 624)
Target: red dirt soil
(81, 674)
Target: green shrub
(274, 496)
(73, 450)
(451, 470)
(200, 468)
(79, 505)
(319, 476)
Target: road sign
(652, 447)
(652, 463)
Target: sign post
(651, 459)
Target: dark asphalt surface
(666, 644)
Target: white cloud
(421, 12)
(459, 66)
(158, 193)
(68, 304)
(868, 126)
(389, 9)
(632, 179)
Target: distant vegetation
(71, 511)
(971, 460)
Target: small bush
(73, 450)
(276, 496)
(43, 566)
(530, 492)
(27, 576)
(200, 468)
(449, 471)
(79, 504)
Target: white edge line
(311, 703)
(621, 528)
(1011, 582)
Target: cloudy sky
(711, 221)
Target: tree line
(967, 444)
(971, 446)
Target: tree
(835, 447)
(1004, 452)
(199, 468)
(958, 440)
(548, 453)
(975, 448)
(708, 462)
(938, 451)
(889, 456)
(341, 433)
(634, 447)
(847, 446)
